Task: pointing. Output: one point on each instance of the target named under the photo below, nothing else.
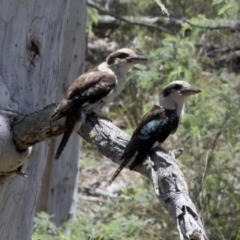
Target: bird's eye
(177, 87)
(123, 55)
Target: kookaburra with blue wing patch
(93, 90)
(156, 125)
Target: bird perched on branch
(93, 90)
(156, 125)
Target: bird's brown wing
(89, 88)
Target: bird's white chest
(180, 111)
(120, 83)
(121, 80)
(173, 105)
(120, 75)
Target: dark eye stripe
(177, 86)
(167, 91)
(112, 59)
(123, 55)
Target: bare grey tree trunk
(59, 190)
(34, 38)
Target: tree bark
(58, 195)
(33, 39)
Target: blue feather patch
(151, 127)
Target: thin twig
(233, 25)
(141, 24)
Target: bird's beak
(190, 90)
(137, 59)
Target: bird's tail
(69, 123)
(115, 174)
(127, 160)
(63, 142)
(124, 163)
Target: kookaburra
(156, 125)
(94, 89)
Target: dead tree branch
(35, 128)
(127, 20)
(168, 181)
(210, 24)
(166, 23)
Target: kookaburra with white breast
(157, 124)
(94, 89)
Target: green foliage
(92, 18)
(227, 7)
(43, 227)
